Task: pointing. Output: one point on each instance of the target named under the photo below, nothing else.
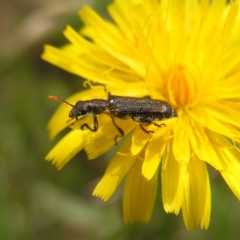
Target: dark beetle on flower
(142, 110)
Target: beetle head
(80, 109)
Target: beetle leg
(119, 130)
(159, 125)
(145, 130)
(109, 95)
(147, 97)
(146, 124)
(95, 125)
(105, 89)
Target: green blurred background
(36, 200)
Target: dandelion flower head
(186, 53)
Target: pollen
(183, 85)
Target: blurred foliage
(37, 201)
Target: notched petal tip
(117, 169)
(67, 148)
(100, 196)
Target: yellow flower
(186, 53)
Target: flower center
(183, 85)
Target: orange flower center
(183, 85)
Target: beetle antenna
(59, 99)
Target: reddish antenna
(59, 99)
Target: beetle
(143, 110)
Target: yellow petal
(231, 176)
(59, 57)
(82, 66)
(202, 143)
(225, 150)
(138, 22)
(181, 146)
(67, 148)
(176, 13)
(115, 172)
(139, 139)
(153, 154)
(229, 93)
(216, 125)
(230, 115)
(112, 40)
(231, 27)
(231, 64)
(196, 206)
(93, 52)
(129, 89)
(173, 174)
(131, 15)
(139, 195)
(106, 134)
